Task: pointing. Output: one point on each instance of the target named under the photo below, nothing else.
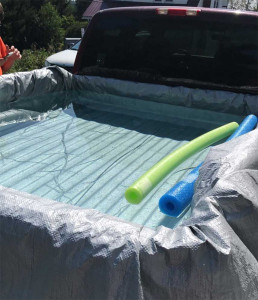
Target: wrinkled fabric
(29, 95)
(29, 90)
(219, 101)
(52, 250)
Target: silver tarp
(52, 250)
(17, 90)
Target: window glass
(76, 46)
(183, 47)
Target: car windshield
(76, 46)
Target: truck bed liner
(90, 160)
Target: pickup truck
(146, 81)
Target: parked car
(64, 59)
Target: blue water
(88, 158)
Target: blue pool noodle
(175, 201)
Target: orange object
(3, 52)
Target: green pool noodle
(142, 186)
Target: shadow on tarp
(172, 222)
(156, 128)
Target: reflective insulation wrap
(50, 88)
(54, 250)
(212, 100)
(30, 95)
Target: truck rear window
(170, 49)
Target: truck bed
(87, 157)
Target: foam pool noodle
(179, 197)
(141, 187)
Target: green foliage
(74, 30)
(31, 60)
(63, 7)
(36, 25)
(67, 21)
(19, 23)
(48, 25)
(39, 22)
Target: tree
(20, 21)
(37, 22)
(63, 7)
(81, 6)
(48, 25)
(243, 4)
(74, 30)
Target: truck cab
(194, 47)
